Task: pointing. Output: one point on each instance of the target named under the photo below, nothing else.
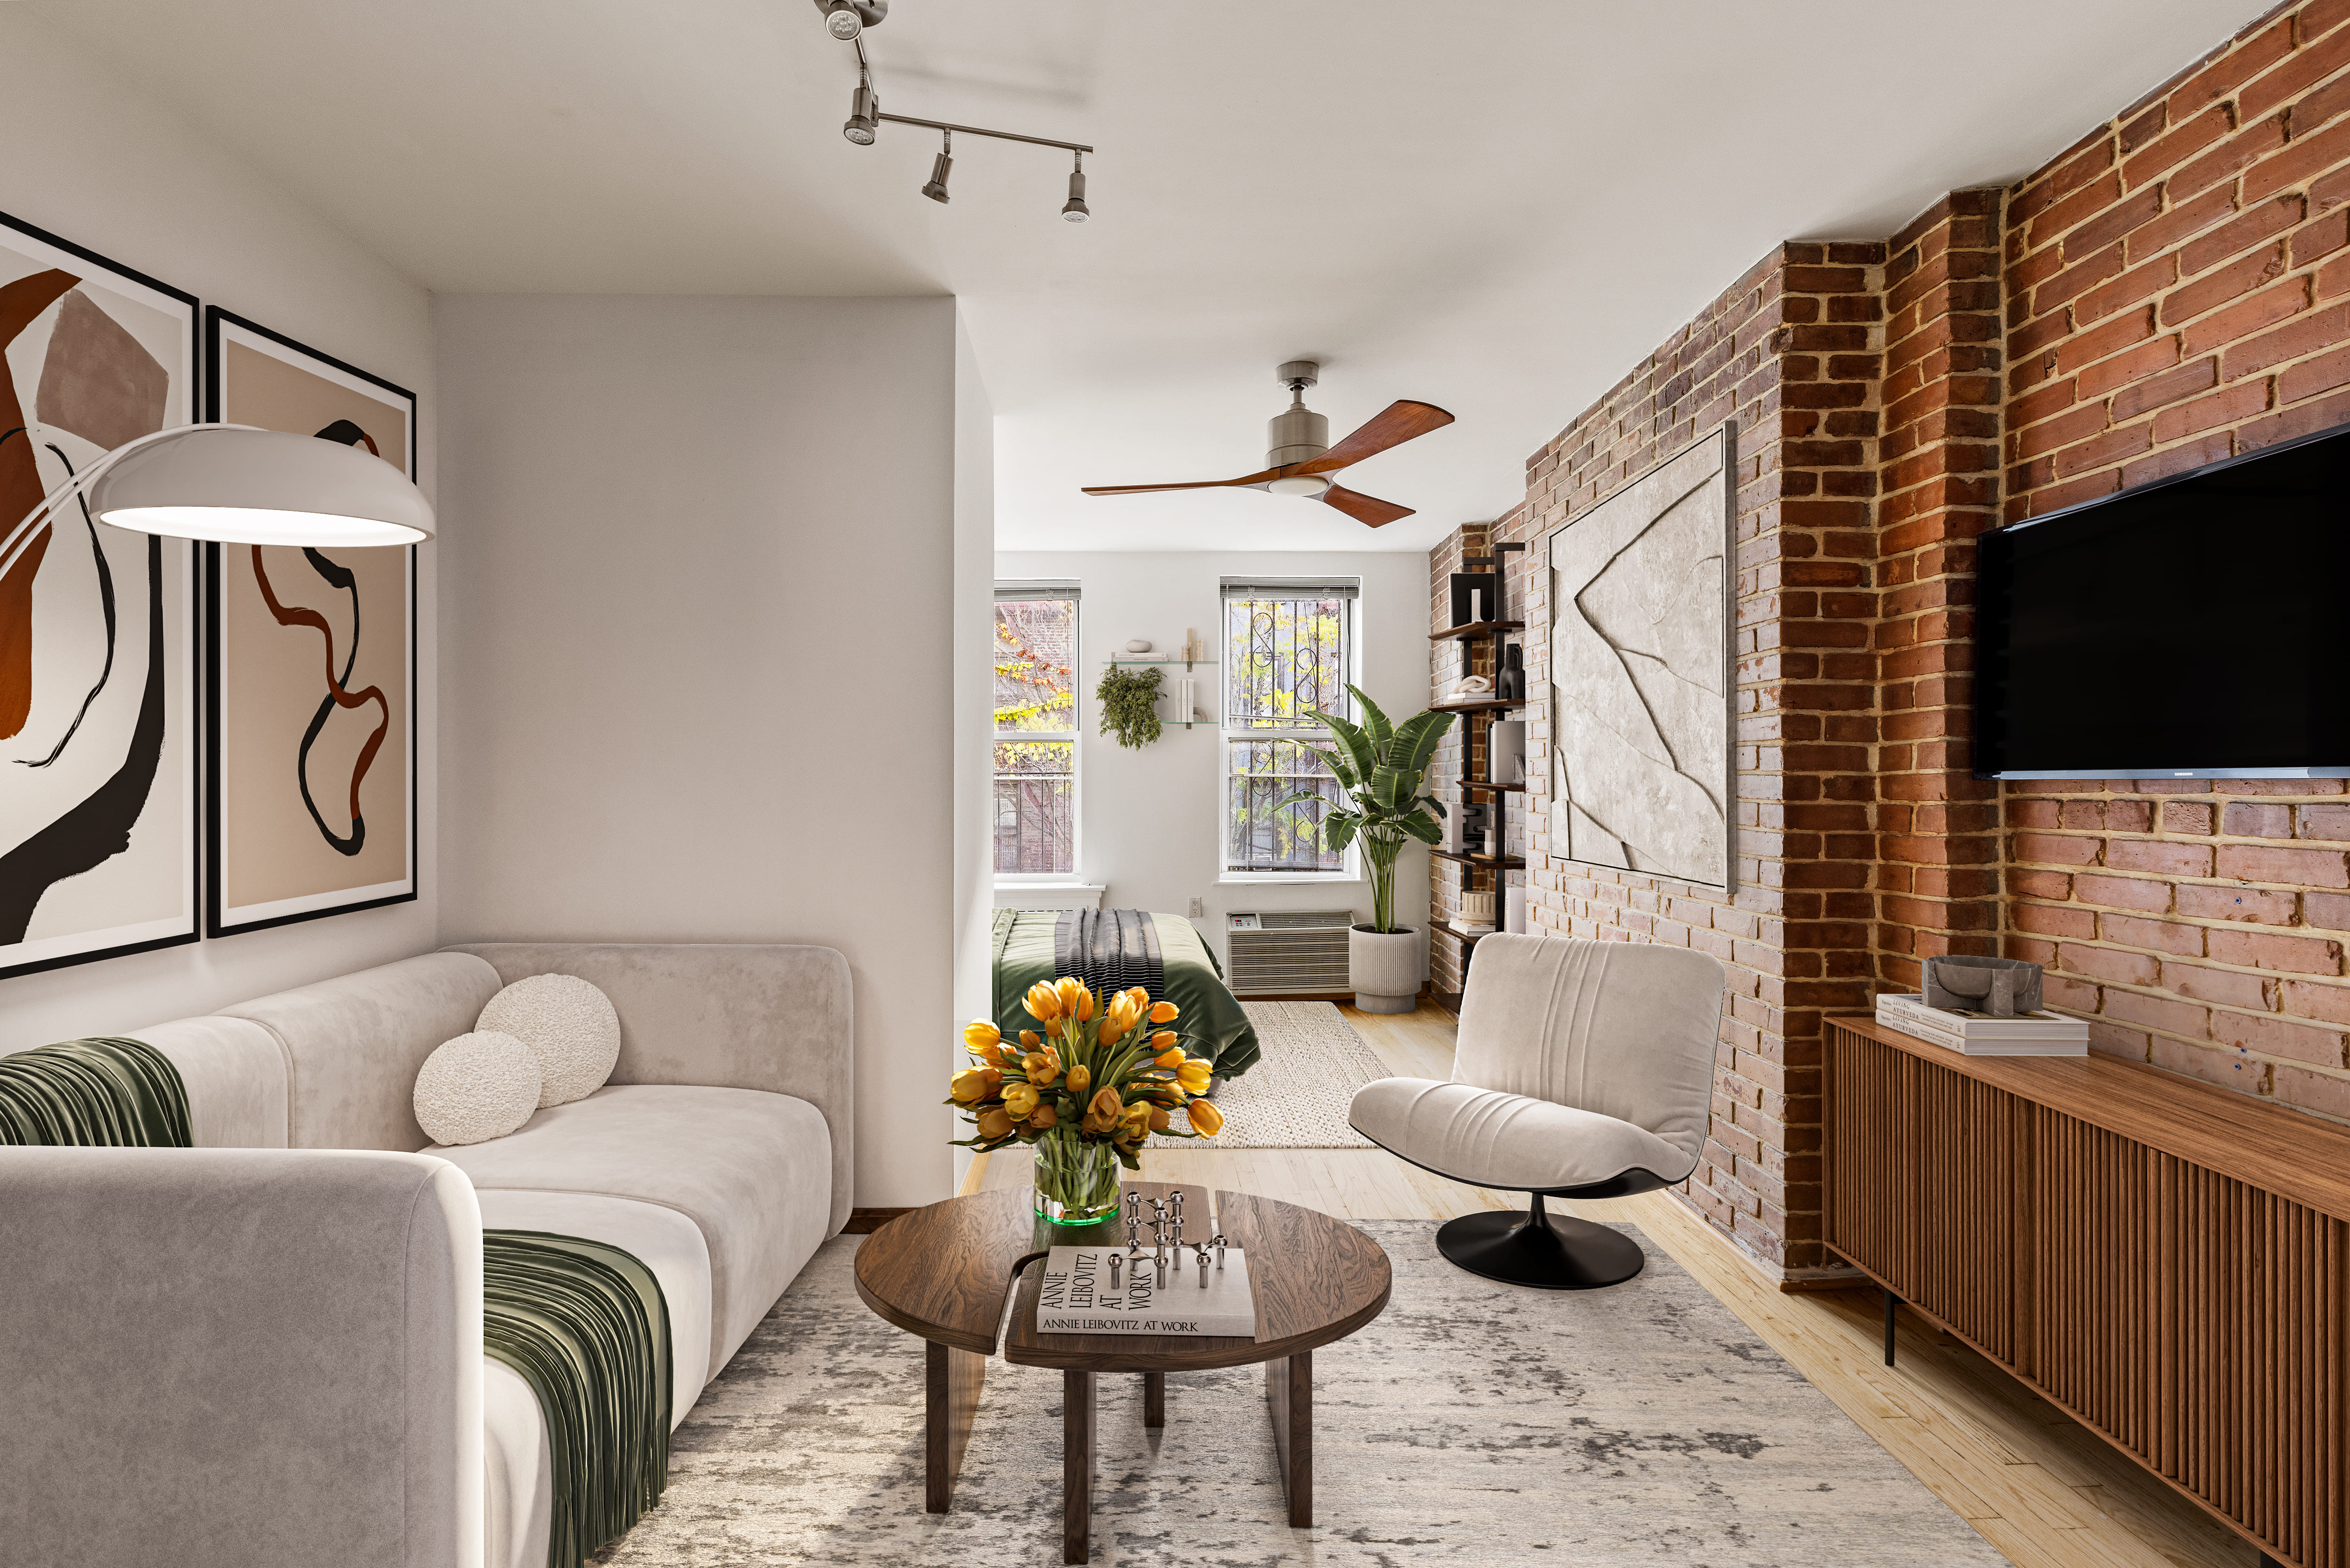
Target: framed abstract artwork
(310, 666)
(98, 692)
(1642, 719)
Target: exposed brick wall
(1937, 825)
(1788, 352)
(2178, 292)
(2201, 929)
(2167, 279)
(2173, 289)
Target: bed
(1116, 949)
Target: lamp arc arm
(20, 537)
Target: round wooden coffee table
(942, 1273)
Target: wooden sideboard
(2167, 1261)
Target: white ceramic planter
(1384, 968)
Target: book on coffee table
(1079, 1298)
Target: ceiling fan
(1301, 454)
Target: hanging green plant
(1129, 705)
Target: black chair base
(1547, 1252)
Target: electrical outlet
(1199, 907)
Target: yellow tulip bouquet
(1086, 1089)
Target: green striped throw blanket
(586, 1327)
(119, 1093)
(583, 1323)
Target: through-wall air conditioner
(1284, 952)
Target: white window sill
(1320, 879)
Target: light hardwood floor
(2039, 1486)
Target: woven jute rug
(1472, 1425)
(1297, 1094)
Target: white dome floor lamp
(239, 484)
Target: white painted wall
(702, 589)
(96, 161)
(973, 687)
(1150, 821)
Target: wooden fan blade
(1195, 484)
(1396, 424)
(1368, 510)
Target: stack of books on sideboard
(1981, 1035)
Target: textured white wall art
(568, 1023)
(1639, 671)
(477, 1087)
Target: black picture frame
(114, 274)
(1463, 584)
(220, 919)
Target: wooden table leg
(951, 1379)
(1154, 1398)
(1289, 1398)
(1076, 1466)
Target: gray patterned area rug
(1471, 1424)
(1297, 1094)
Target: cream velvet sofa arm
(264, 1358)
(770, 1016)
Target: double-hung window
(1288, 650)
(1036, 730)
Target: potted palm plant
(1383, 768)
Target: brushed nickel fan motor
(1297, 434)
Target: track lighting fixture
(863, 114)
(848, 19)
(941, 166)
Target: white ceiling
(1494, 207)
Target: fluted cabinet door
(2114, 1237)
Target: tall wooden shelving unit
(1497, 866)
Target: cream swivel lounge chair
(1584, 1070)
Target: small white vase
(1384, 968)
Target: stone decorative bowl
(2003, 988)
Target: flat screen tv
(2188, 629)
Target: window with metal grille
(1287, 651)
(1035, 712)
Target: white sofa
(266, 1350)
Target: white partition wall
(704, 599)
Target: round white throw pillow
(477, 1087)
(569, 1025)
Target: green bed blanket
(1212, 1023)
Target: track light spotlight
(864, 115)
(846, 19)
(941, 166)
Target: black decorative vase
(1510, 685)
